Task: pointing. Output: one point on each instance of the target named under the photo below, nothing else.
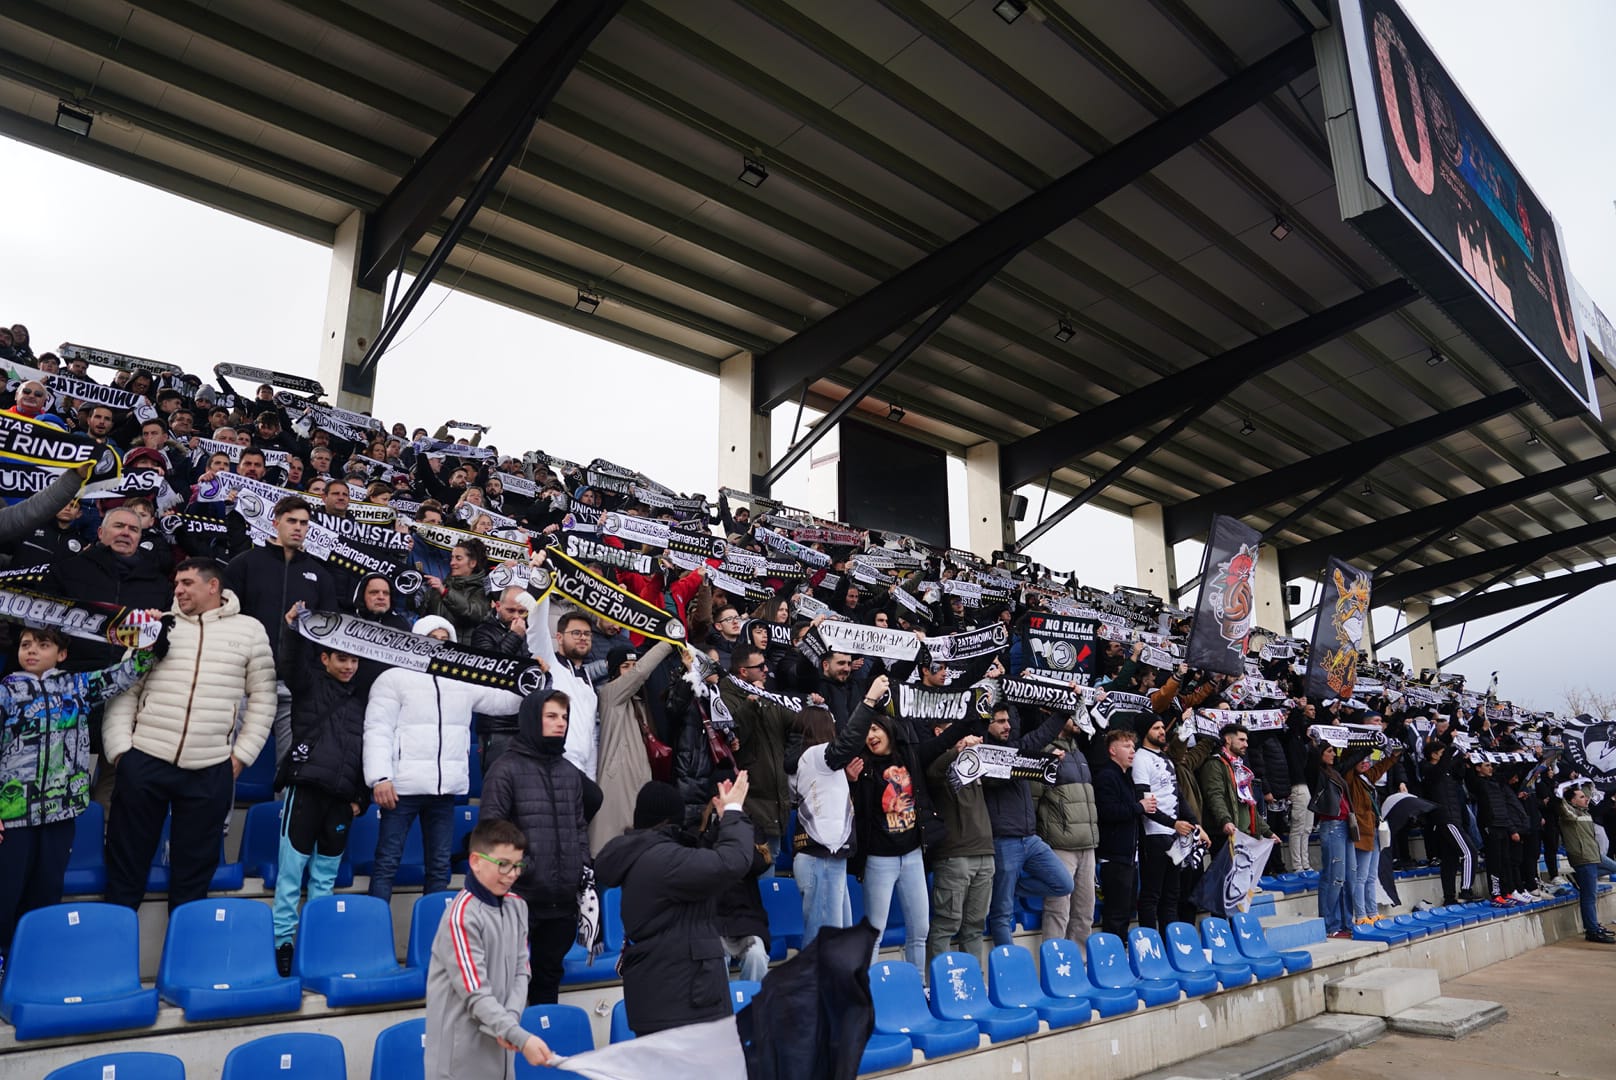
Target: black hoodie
(551, 801)
(370, 670)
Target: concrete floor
(1560, 1025)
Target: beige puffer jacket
(185, 709)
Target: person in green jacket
(1069, 824)
(1582, 852)
(1228, 798)
(462, 599)
(962, 865)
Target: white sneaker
(1522, 896)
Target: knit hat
(428, 623)
(146, 454)
(616, 658)
(658, 804)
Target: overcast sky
(102, 261)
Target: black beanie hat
(658, 804)
(615, 658)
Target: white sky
(102, 261)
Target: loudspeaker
(1017, 510)
(1293, 594)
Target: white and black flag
(1227, 606)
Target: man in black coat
(267, 580)
(1022, 861)
(1444, 772)
(504, 631)
(114, 571)
(836, 686)
(674, 967)
(535, 787)
(1120, 810)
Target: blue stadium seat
(1109, 969)
(565, 1030)
(1188, 957)
(227, 877)
(1013, 983)
(345, 951)
(219, 962)
(575, 966)
(301, 1054)
(1148, 955)
(1063, 974)
(75, 969)
(256, 783)
(886, 1052)
(957, 993)
(1218, 937)
(465, 820)
(621, 1032)
(741, 992)
(86, 865)
(261, 842)
(782, 903)
(400, 1052)
(361, 850)
(1384, 930)
(130, 1065)
(900, 1009)
(1253, 944)
(1030, 912)
(425, 916)
(1416, 928)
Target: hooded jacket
(582, 750)
(1067, 817)
(370, 670)
(418, 730)
(187, 708)
(1362, 795)
(1577, 833)
(268, 584)
(533, 786)
(328, 723)
(674, 968)
(624, 768)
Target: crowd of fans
(633, 764)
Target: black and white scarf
(296, 383)
(600, 597)
(106, 623)
(992, 762)
(116, 361)
(419, 652)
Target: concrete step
(1293, 931)
(1278, 1053)
(1382, 992)
(1447, 1018)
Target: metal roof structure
(882, 131)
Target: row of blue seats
(398, 1052)
(1066, 987)
(260, 852)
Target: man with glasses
(535, 786)
(761, 726)
(726, 632)
(569, 644)
(32, 398)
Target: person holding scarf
(625, 724)
(1228, 791)
(462, 599)
(1331, 810)
(1365, 851)
(824, 836)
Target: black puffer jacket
(268, 583)
(496, 637)
(1267, 759)
(328, 724)
(674, 968)
(1493, 799)
(107, 578)
(551, 800)
(1010, 802)
(1442, 781)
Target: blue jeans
(1587, 879)
(823, 883)
(1333, 874)
(1030, 865)
(437, 835)
(906, 876)
(1363, 881)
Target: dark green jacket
(1066, 814)
(965, 812)
(1220, 806)
(1577, 834)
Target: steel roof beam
(1193, 516)
(1500, 600)
(1426, 579)
(1516, 625)
(1306, 559)
(512, 99)
(1028, 459)
(845, 333)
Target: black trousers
(1158, 883)
(146, 791)
(1551, 843)
(317, 821)
(1448, 843)
(548, 939)
(1503, 862)
(1526, 852)
(1117, 883)
(33, 861)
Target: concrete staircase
(1410, 1001)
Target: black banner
(1592, 750)
(1338, 630)
(1226, 608)
(1061, 644)
(586, 550)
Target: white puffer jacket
(418, 730)
(186, 707)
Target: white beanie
(428, 623)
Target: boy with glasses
(476, 983)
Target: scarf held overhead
(419, 652)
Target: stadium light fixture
(753, 172)
(1065, 331)
(587, 303)
(1281, 229)
(1010, 10)
(1436, 359)
(74, 120)
(896, 414)
(1248, 427)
